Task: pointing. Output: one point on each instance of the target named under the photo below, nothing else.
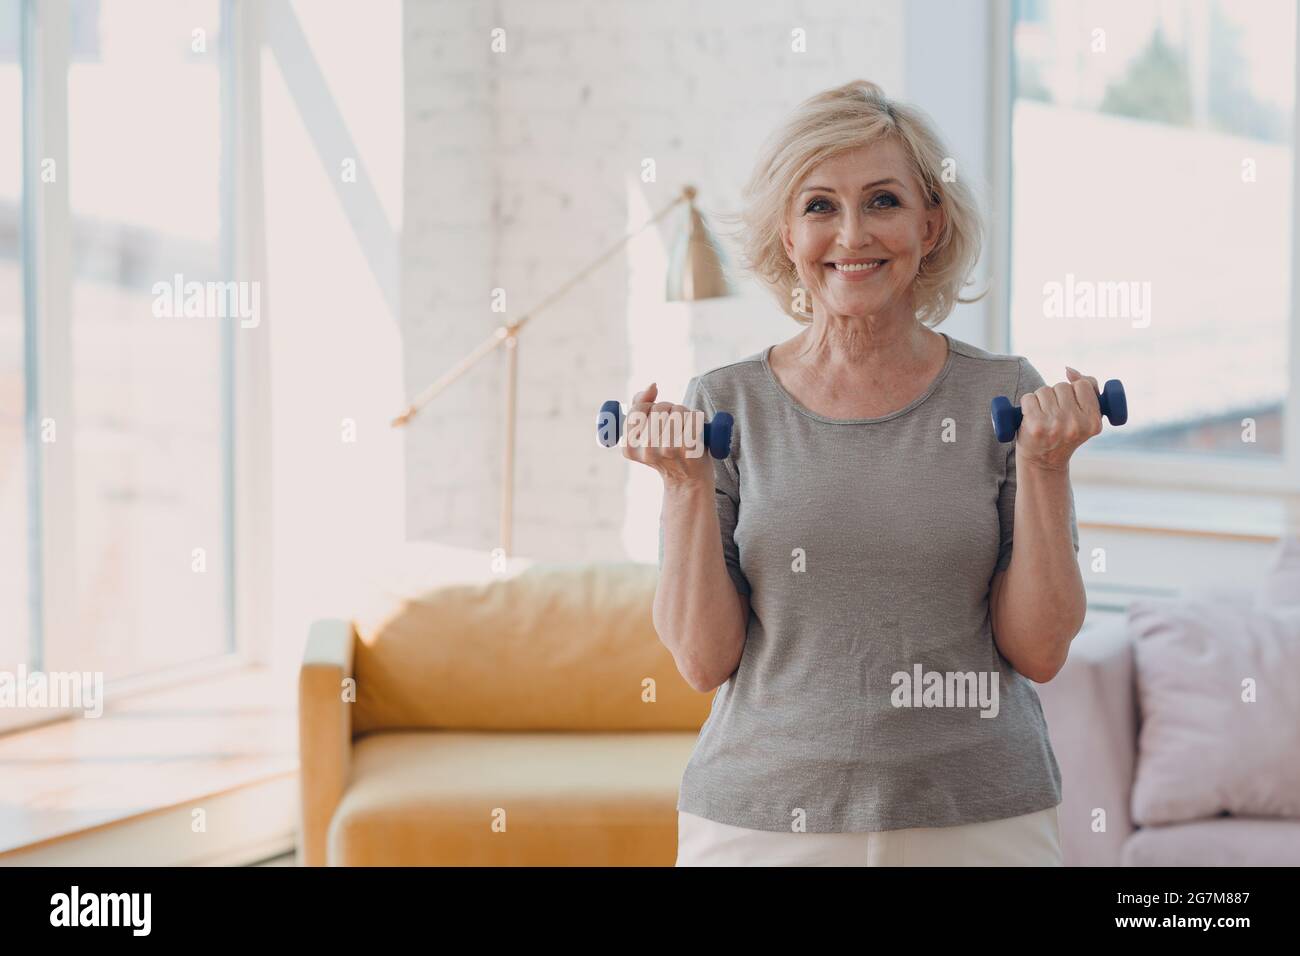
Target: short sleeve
(726, 482)
(1029, 380)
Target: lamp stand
(508, 336)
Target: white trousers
(1033, 839)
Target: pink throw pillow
(1203, 749)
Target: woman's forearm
(697, 610)
(1041, 603)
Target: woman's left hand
(1057, 420)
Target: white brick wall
(523, 166)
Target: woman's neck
(862, 346)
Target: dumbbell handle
(717, 433)
(1007, 417)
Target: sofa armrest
(324, 733)
(1092, 713)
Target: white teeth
(860, 267)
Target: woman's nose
(855, 231)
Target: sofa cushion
(1280, 586)
(1202, 748)
(421, 798)
(1091, 711)
(1224, 841)
(553, 647)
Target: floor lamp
(695, 271)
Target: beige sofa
(537, 719)
(534, 719)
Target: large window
(1151, 235)
(115, 546)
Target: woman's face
(862, 206)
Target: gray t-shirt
(867, 548)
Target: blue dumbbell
(1007, 417)
(717, 433)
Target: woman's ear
(785, 240)
(935, 218)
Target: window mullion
(47, 297)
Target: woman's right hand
(672, 456)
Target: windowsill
(152, 753)
(1239, 516)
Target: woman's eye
(881, 201)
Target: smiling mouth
(857, 268)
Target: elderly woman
(846, 578)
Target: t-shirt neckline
(790, 399)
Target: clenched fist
(1057, 420)
(669, 438)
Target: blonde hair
(848, 117)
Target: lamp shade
(696, 267)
